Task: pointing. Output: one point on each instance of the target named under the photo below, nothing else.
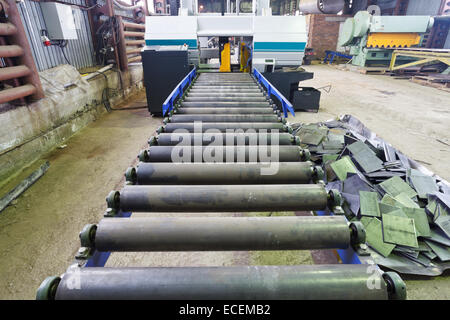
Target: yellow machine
(225, 58)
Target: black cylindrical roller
(313, 282)
(226, 127)
(225, 99)
(220, 95)
(218, 198)
(226, 173)
(222, 233)
(223, 138)
(226, 86)
(221, 154)
(205, 110)
(225, 91)
(225, 104)
(224, 118)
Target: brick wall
(323, 32)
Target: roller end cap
(396, 286)
(47, 289)
(87, 235)
(143, 156)
(334, 198)
(131, 176)
(318, 173)
(288, 129)
(113, 200)
(305, 155)
(160, 129)
(152, 141)
(358, 233)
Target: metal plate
(395, 185)
(369, 204)
(399, 230)
(374, 237)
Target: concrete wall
(323, 32)
(27, 132)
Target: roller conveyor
(223, 148)
(229, 139)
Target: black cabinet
(163, 70)
(306, 99)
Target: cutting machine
(373, 38)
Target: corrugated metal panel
(79, 52)
(423, 8)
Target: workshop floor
(39, 231)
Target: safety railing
(271, 90)
(177, 92)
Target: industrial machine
(211, 156)
(371, 39)
(230, 41)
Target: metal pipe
(98, 72)
(7, 29)
(221, 154)
(230, 111)
(224, 118)
(133, 25)
(134, 50)
(224, 126)
(314, 282)
(222, 233)
(220, 138)
(134, 42)
(7, 73)
(134, 34)
(134, 59)
(7, 95)
(10, 51)
(20, 38)
(223, 198)
(226, 173)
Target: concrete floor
(39, 232)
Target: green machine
(373, 38)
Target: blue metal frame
(348, 256)
(271, 90)
(333, 54)
(177, 92)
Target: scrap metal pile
(227, 175)
(404, 207)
